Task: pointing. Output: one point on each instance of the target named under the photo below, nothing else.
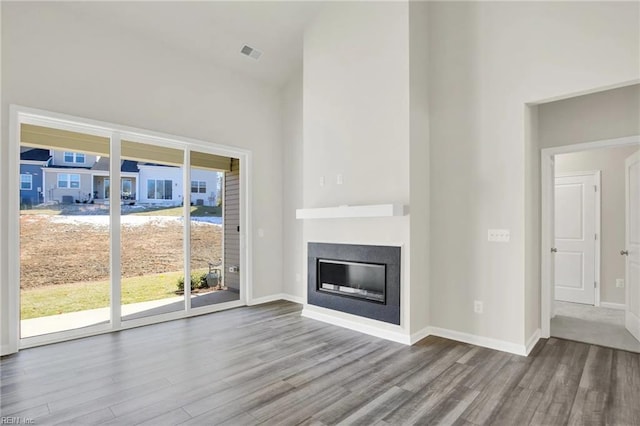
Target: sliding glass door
(96, 256)
(64, 231)
(209, 279)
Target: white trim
(265, 299)
(186, 229)
(546, 243)
(420, 334)
(356, 323)
(33, 163)
(584, 92)
(292, 298)
(533, 340)
(115, 277)
(632, 323)
(485, 342)
(30, 182)
(546, 187)
(631, 320)
(373, 210)
(275, 297)
(611, 305)
(246, 225)
(12, 305)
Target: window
(198, 186)
(159, 189)
(66, 180)
(74, 157)
(26, 182)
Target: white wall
(211, 179)
(356, 123)
(608, 114)
(487, 61)
(161, 173)
(55, 61)
(293, 279)
(419, 165)
(610, 162)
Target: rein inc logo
(16, 421)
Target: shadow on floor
(588, 324)
(197, 301)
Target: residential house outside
(163, 185)
(75, 177)
(32, 161)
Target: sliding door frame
(23, 115)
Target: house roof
(35, 154)
(129, 166)
(125, 165)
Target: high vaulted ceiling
(215, 31)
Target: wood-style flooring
(267, 365)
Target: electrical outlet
(499, 235)
(478, 308)
(619, 283)
(339, 179)
(321, 180)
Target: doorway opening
(590, 288)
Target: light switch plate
(499, 235)
(620, 282)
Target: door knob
(554, 250)
(624, 252)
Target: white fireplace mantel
(372, 210)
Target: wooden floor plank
(267, 365)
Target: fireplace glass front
(352, 279)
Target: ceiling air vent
(250, 52)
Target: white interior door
(632, 250)
(575, 238)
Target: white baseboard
(632, 323)
(4, 350)
(395, 333)
(292, 298)
(531, 343)
(419, 335)
(274, 297)
(486, 342)
(609, 305)
(356, 324)
(265, 299)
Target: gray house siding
(232, 225)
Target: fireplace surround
(361, 280)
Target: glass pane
(151, 189)
(152, 255)
(64, 238)
(207, 271)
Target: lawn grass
(65, 298)
(44, 212)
